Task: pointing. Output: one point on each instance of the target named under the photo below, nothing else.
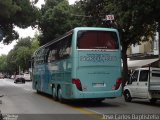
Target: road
(22, 100)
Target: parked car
(144, 83)
(27, 76)
(19, 79)
(1, 76)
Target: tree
(53, 21)
(12, 62)
(13, 13)
(20, 55)
(134, 19)
(23, 42)
(57, 17)
(34, 44)
(3, 64)
(23, 57)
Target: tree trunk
(159, 37)
(125, 65)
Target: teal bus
(84, 63)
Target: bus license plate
(98, 85)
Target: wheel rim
(127, 96)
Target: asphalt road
(21, 102)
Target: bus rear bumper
(99, 94)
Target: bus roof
(95, 28)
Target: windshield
(97, 40)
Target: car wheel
(22, 80)
(127, 96)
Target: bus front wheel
(54, 94)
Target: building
(147, 50)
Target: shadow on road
(87, 103)
(146, 102)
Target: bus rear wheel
(59, 95)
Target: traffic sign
(109, 17)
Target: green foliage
(19, 56)
(23, 42)
(57, 18)
(23, 57)
(95, 10)
(34, 44)
(19, 13)
(3, 64)
(12, 64)
(134, 19)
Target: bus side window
(51, 55)
(64, 48)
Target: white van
(144, 83)
(27, 76)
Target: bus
(84, 63)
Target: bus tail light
(118, 83)
(77, 82)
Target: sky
(4, 49)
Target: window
(155, 73)
(40, 56)
(60, 50)
(97, 40)
(51, 56)
(143, 76)
(134, 77)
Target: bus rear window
(97, 40)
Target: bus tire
(54, 93)
(38, 92)
(127, 96)
(59, 95)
